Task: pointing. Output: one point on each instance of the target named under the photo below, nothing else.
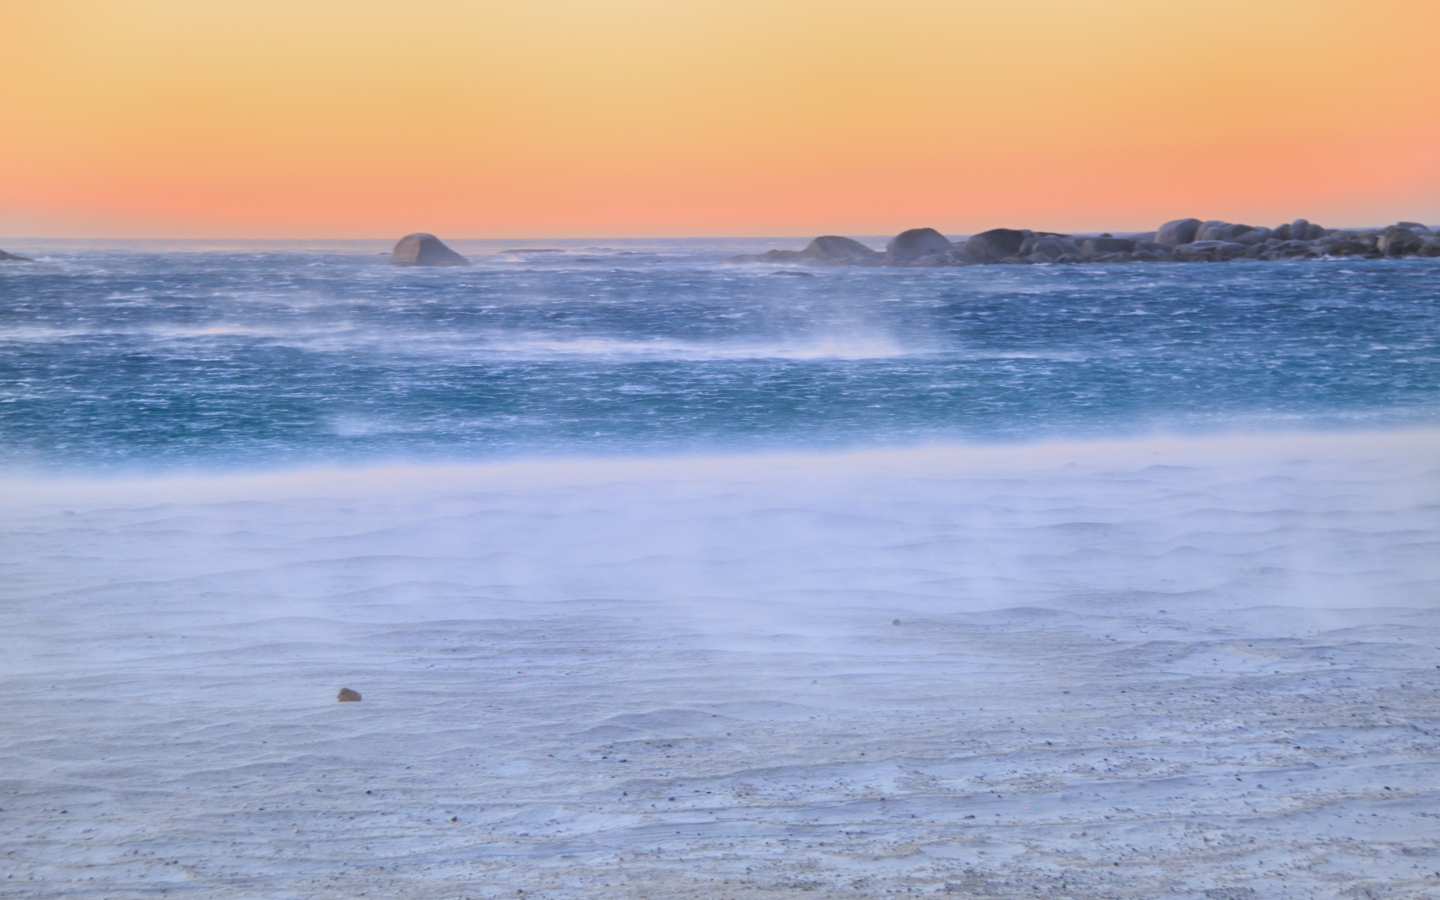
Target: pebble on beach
(348, 696)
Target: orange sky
(357, 118)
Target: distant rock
(1180, 240)
(1097, 246)
(833, 248)
(1399, 241)
(1305, 230)
(996, 244)
(10, 257)
(348, 696)
(1177, 232)
(908, 246)
(422, 249)
(1049, 248)
(1230, 232)
(1210, 251)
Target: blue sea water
(125, 355)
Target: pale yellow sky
(633, 117)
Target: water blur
(134, 355)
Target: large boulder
(1177, 232)
(996, 244)
(1398, 241)
(1229, 232)
(10, 257)
(833, 248)
(1305, 230)
(915, 243)
(421, 249)
(1048, 249)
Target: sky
(556, 118)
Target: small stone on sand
(348, 696)
(894, 621)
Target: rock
(1097, 246)
(348, 696)
(995, 244)
(1305, 230)
(915, 243)
(1151, 247)
(1413, 226)
(833, 248)
(422, 249)
(962, 257)
(1257, 234)
(1231, 232)
(10, 257)
(1337, 245)
(1047, 247)
(1208, 251)
(1397, 241)
(1177, 232)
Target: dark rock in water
(10, 257)
(915, 243)
(1398, 241)
(1177, 232)
(1049, 248)
(1152, 247)
(1231, 232)
(833, 248)
(422, 249)
(1210, 251)
(1337, 245)
(1413, 226)
(1097, 246)
(962, 257)
(995, 244)
(1305, 230)
(348, 696)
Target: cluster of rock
(1183, 240)
(10, 257)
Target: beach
(1192, 666)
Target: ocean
(665, 575)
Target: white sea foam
(1210, 661)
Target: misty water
(133, 358)
(665, 575)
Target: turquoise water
(143, 355)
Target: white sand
(1179, 668)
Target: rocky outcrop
(10, 257)
(1181, 240)
(910, 247)
(835, 249)
(996, 244)
(421, 249)
(1177, 232)
(1097, 246)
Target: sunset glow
(641, 117)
